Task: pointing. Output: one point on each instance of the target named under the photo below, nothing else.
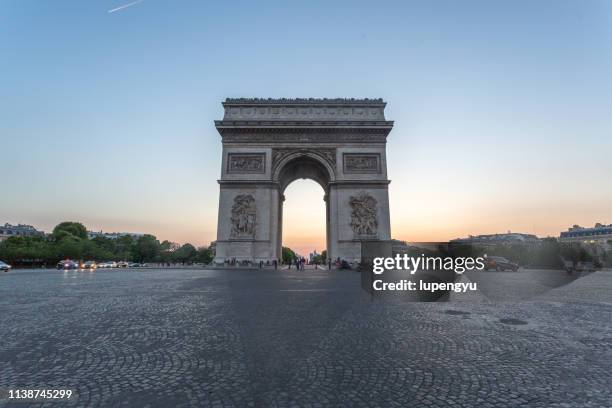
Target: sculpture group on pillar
(243, 216)
(363, 215)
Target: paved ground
(179, 338)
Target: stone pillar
(279, 247)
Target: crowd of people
(299, 263)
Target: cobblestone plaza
(176, 338)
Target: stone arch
(303, 164)
(268, 143)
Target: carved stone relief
(374, 136)
(364, 221)
(244, 214)
(361, 162)
(246, 163)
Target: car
(135, 265)
(107, 264)
(122, 264)
(67, 264)
(5, 267)
(90, 265)
(584, 266)
(499, 263)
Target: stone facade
(269, 143)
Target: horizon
(501, 122)
(303, 250)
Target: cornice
(303, 101)
(305, 135)
(284, 124)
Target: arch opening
(303, 166)
(304, 218)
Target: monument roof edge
(288, 124)
(303, 101)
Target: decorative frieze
(244, 213)
(301, 109)
(361, 162)
(246, 163)
(364, 220)
(370, 137)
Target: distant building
(313, 255)
(494, 239)
(596, 240)
(112, 235)
(19, 230)
(599, 233)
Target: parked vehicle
(585, 267)
(500, 264)
(5, 267)
(90, 265)
(135, 265)
(107, 264)
(122, 264)
(67, 264)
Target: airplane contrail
(125, 6)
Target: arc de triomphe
(268, 143)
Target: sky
(502, 109)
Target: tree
(124, 247)
(69, 229)
(146, 249)
(27, 250)
(69, 248)
(324, 255)
(169, 246)
(186, 253)
(288, 255)
(547, 254)
(204, 255)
